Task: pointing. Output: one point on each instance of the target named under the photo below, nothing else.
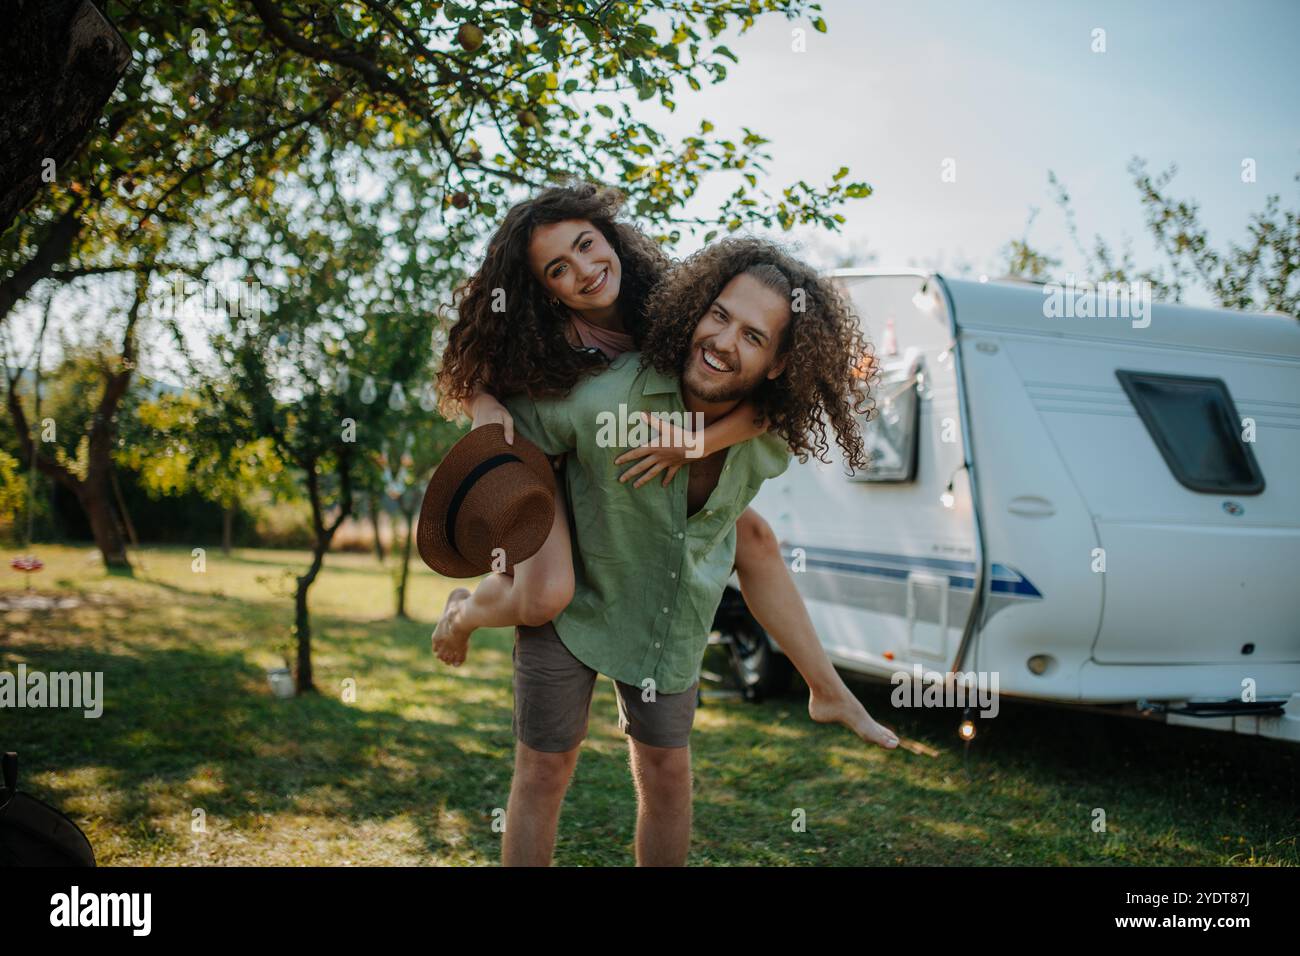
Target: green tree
(13, 488)
(73, 435)
(225, 101)
(1023, 261)
(417, 442)
(1263, 274)
(176, 443)
(329, 371)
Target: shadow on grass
(172, 716)
(179, 715)
(1027, 790)
(189, 722)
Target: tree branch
(54, 248)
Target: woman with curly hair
(564, 288)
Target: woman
(562, 291)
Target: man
(738, 321)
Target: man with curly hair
(739, 321)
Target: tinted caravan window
(1196, 427)
(889, 438)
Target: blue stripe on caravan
(1005, 579)
(1010, 581)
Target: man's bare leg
(775, 602)
(663, 803)
(537, 592)
(533, 812)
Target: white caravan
(1096, 503)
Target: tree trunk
(121, 509)
(62, 62)
(405, 573)
(94, 501)
(324, 534)
(94, 491)
(227, 526)
(301, 621)
(373, 501)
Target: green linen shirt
(648, 577)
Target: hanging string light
(396, 485)
(343, 375)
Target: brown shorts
(553, 691)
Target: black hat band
(479, 470)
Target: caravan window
(889, 438)
(1197, 429)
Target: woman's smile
(596, 285)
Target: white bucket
(281, 681)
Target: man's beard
(723, 391)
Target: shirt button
(680, 535)
(672, 574)
(665, 611)
(657, 644)
(707, 513)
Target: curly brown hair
(831, 370)
(524, 350)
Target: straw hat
(486, 495)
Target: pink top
(611, 343)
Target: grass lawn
(416, 768)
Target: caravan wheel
(761, 671)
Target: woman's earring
(554, 302)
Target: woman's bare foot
(848, 710)
(450, 644)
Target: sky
(1006, 90)
(1009, 91)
